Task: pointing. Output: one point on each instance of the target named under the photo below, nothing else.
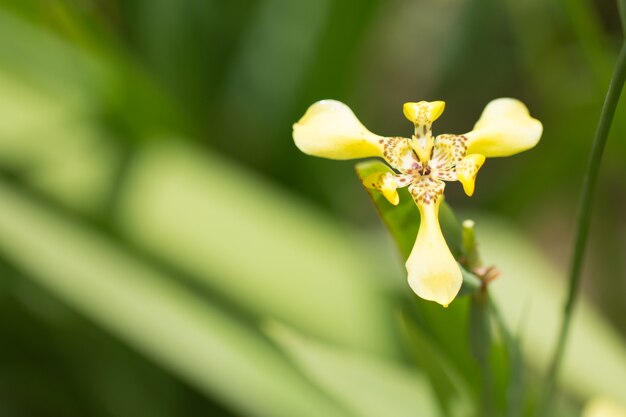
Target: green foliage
(531, 304)
(621, 5)
(166, 322)
(369, 386)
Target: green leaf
(367, 385)
(515, 388)
(480, 328)
(480, 341)
(621, 6)
(238, 236)
(471, 283)
(455, 398)
(451, 228)
(234, 234)
(531, 296)
(195, 340)
(437, 322)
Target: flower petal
(387, 183)
(423, 112)
(467, 169)
(504, 128)
(427, 190)
(449, 150)
(331, 130)
(398, 153)
(433, 273)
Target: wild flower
(423, 163)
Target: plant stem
(583, 221)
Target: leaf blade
(194, 340)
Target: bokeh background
(166, 250)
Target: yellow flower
(422, 163)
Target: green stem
(583, 222)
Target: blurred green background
(166, 250)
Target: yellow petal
(423, 112)
(448, 151)
(504, 128)
(433, 272)
(467, 169)
(399, 154)
(385, 182)
(331, 130)
(603, 407)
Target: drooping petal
(467, 169)
(387, 183)
(433, 273)
(331, 130)
(504, 128)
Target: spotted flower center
(422, 163)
